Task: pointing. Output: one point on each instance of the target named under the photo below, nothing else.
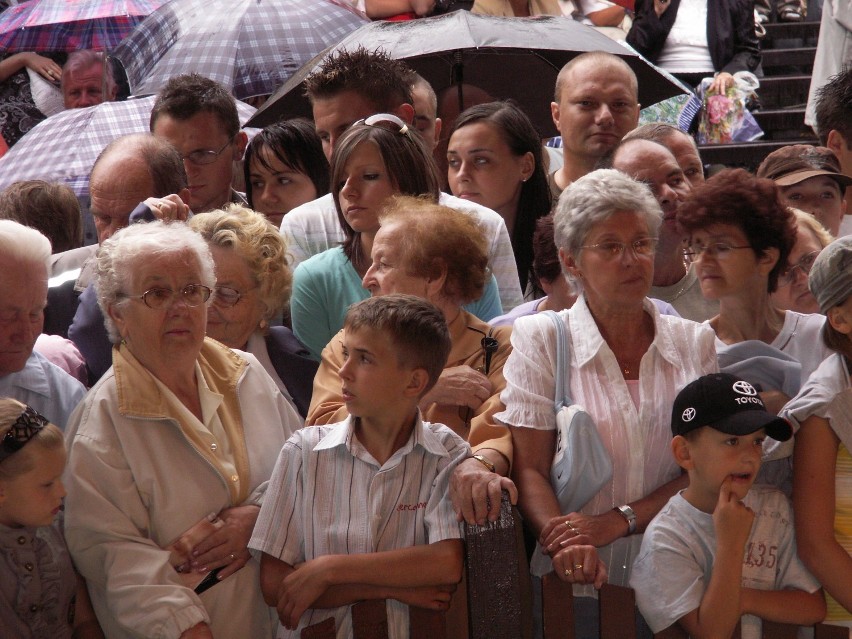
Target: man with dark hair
(349, 86)
(426, 118)
(199, 117)
(834, 117)
(834, 126)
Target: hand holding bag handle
(581, 464)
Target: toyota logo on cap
(744, 388)
(688, 415)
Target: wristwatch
(627, 512)
(484, 461)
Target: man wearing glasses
(199, 117)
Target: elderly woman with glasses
(170, 453)
(252, 288)
(373, 160)
(626, 364)
(740, 237)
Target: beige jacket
(136, 482)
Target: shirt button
(28, 566)
(34, 608)
(235, 478)
(214, 447)
(22, 540)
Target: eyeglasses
(205, 156)
(159, 297)
(228, 297)
(715, 250)
(786, 277)
(386, 121)
(614, 250)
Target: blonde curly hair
(258, 243)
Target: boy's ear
(681, 452)
(839, 320)
(417, 382)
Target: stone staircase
(788, 58)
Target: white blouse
(685, 49)
(636, 439)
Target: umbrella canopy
(250, 46)
(64, 147)
(515, 58)
(68, 25)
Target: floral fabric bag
(724, 118)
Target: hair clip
(26, 426)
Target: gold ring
(578, 566)
(569, 572)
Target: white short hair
(120, 256)
(24, 244)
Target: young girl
(822, 464)
(284, 168)
(40, 594)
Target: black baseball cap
(728, 404)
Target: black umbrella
(515, 58)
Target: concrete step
(747, 155)
(784, 91)
(797, 60)
(783, 124)
(807, 31)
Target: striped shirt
(329, 496)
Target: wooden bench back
(494, 598)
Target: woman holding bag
(626, 363)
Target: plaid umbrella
(250, 46)
(64, 147)
(67, 25)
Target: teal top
(326, 284)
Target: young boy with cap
(723, 548)
(810, 179)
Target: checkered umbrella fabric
(67, 25)
(250, 46)
(64, 147)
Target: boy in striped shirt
(360, 509)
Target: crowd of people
(292, 366)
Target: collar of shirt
(344, 434)
(586, 339)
